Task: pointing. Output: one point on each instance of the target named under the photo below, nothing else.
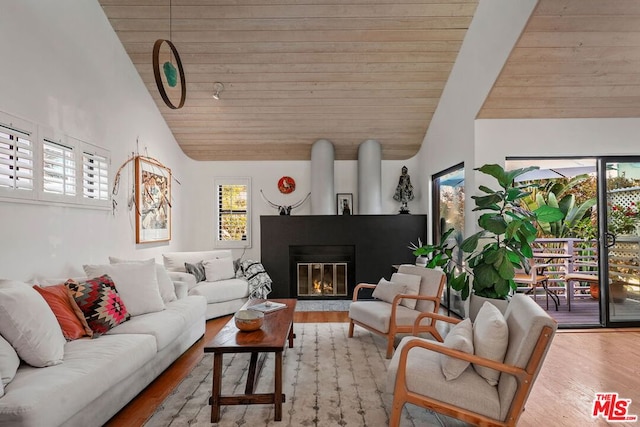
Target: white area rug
(328, 380)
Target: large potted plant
(504, 242)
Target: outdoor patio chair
(416, 373)
(397, 314)
(530, 282)
(578, 277)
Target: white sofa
(97, 376)
(224, 296)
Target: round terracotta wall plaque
(286, 185)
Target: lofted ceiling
(295, 71)
(574, 59)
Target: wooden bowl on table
(248, 320)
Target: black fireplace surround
(376, 242)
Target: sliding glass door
(620, 227)
(448, 212)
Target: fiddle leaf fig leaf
(471, 243)
(487, 201)
(493, 223)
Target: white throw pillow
(165, 284)
(9, 362)
(412, 287)
(218, 269)
(136, 283)
(29, 325)
(460, 337)
(386, 290)
(490, 339)
(1, 387)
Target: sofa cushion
(460, 337)
(29, 325)
(47, 397)
(222, 290)
(64, 307)
(100, 302)
(166, 325)
(386, 291)
(490, 339)
(412, 287)
(218, 269)
(165, 284)
(174, 261)
(9, 361)
(136, 283)
(196, 270)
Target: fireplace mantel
(379, 240)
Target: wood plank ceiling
(297, 71)
(574, 59)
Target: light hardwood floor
(580, 363)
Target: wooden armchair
(389, 319)
(415, 372)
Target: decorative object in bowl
(248, 320)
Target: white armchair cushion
(386, 291)
(425, 377)
(136, 283)
(218, 269)
(459, 338)
(412, 287)
(377, 314)
(490, 339)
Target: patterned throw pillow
(100, 302)
(197, 270)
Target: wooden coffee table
(275, 332)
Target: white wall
(265, 176)
(497, 139)
(450, 138)
(64, 67)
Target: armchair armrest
(433, 317)
(519, 373)
(181, 288)
(361, 286)
(179, 276)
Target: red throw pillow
(100, 302)
(66, 310)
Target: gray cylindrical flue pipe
(322, 186)
(369, 178)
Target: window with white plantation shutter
(59, 168)
(16, 161)
(233, 219)
(95, 176)
(39, 164)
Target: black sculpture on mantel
(404, 191)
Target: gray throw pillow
(197, 270)
(459, 338)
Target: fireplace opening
(322, 279)
(322, 271)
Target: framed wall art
(153, 201)
(344, 203)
